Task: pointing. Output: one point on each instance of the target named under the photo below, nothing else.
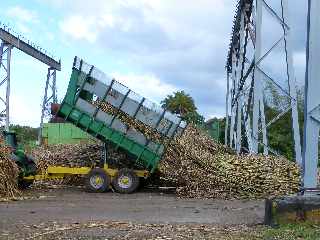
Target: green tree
(216, 128)
(180, 103)
(25, 134)
(183, 104)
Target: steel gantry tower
(5, 60)
(247, 125)
(247, 97)
(9, 40)
(50, 96)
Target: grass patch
(306, 231)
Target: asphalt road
(75, 205)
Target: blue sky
(153, 46)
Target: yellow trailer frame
(59, 172)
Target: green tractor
(26, 163)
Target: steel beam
(28, 49)
(312, 102)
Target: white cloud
(182, 43)
(22, 14)
(79, 27)
(107, 20)
(148, 86)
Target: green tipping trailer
(88, 85)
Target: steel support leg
(240, 98)
(312, 107)
(239, 121)
(257, 92)
(232, 121)
(232, 128)
(232, 135)
(50, 85)
(263, 127)
(5, 61)
(247, 124)
(292, 83)
(227, 112)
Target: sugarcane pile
(199, 166)
(73, 155)
(68, 155)
(203, 168)
(8, 173)
(131, 122)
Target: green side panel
(107, 132)
(44, 131)
(77, 133)
(53, 134)
(65, 131)
(96, 126)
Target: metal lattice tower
(246, 95)
(9, 40)
(5, 60)
(50, 96)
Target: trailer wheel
(97, 180)
(126, 181)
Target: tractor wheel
(24, 184)
(126, 181)
(97, 180)
(31, 168)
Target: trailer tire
(97, 180)
(126, 181)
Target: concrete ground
(74, 205)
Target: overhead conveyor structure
(9, 40)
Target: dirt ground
(72, 213)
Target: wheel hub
(96, 181)
(124, 181)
